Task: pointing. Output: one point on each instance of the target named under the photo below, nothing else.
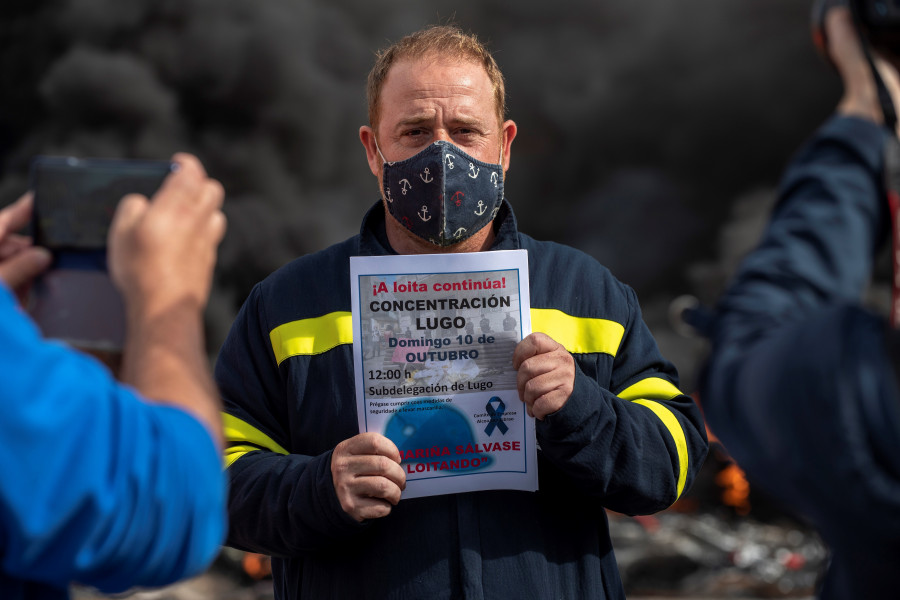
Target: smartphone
(74, 202)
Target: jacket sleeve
(820, 243)
(635, 441)
(98, 486)
(798, 374)
(281, 503)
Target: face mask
(442, 194)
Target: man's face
(432, 99)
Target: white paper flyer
(433, 344)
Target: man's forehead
(419, 85)
(420, 74)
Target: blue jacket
(800, 387)
(627, 440)
(96, 486)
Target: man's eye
(468, 135)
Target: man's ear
(508, 134)
(367, 137)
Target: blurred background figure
(802, 382)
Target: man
(323, 499)
(801, 385)
(106, 484)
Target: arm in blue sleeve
(98, 486)
(281, 503)
(790, 338)
(799, 385)
(819, 245)
(637, 442)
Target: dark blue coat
(290, 403)
(800, 386)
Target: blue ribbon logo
(496, 416)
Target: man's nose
(441, 135)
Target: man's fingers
(545, 393)
(532, 345)
(128, 213)
(545, 374)
(13, 244)
(184, 160)
(367, 475)
(370, 444)
(15, 216)
(535, 384)
(183, 185)
(210, 204)
(345, 465)
(370, 500)
(365, 455)
(213, 194)
(860, 97)
(374, 487)
(188, 193)
(129, 210)
(218, 225)
(535, 355)
(843, 42)
(21, 263)
(24, 266)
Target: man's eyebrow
(463, 120)
(425, 119)
(416, 120)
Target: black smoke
(640, 123)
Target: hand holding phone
(74, 203)
(163, 251)
(20, 261)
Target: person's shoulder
(552, 255)
(567, 275)
(310, 285)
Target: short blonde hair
(444, 40)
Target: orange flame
(257, 566)
(735, 488)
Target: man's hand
(860, 97)
(161, 257)
(162, 252)
(367, 475)
(546, 374)
(20, 262)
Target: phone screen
(75, 199)
(74, 202)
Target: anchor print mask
(442, 194)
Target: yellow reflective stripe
(579, 335)
(235, 452)
(312, 336)
(665, 415)
(652, 387)
(237, 432)
(643, 392)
